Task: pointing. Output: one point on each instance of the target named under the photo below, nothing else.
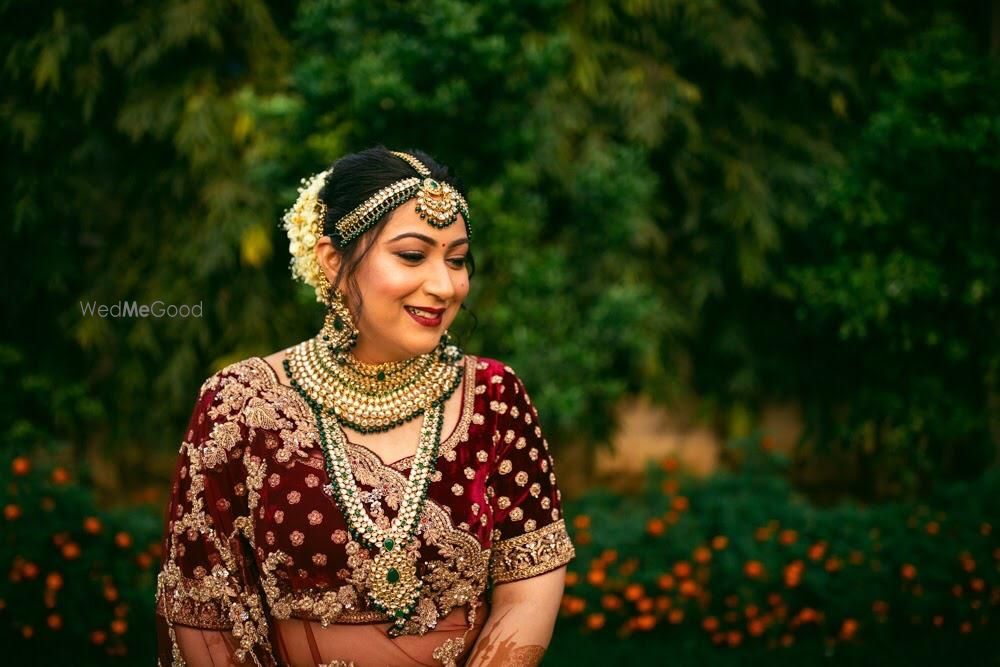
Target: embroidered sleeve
(206, 578)
(529, 536)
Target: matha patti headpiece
(438, 203)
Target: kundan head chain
(437, 202)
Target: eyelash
(457, 262)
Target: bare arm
(521, 620)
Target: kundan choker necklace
(375, 398)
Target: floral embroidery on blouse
(252, 525)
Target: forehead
(405, 219)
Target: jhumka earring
(446, 351)
(339, 331)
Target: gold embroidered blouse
(253, 541)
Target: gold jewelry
(373, 398)
(437, 203)
(376, 397)
(339, 331)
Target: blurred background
(745, 255)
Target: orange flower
(682, 569)
(92, 525)
(710, 624)
(645, 605)
(110, 593)
(611, 602)
(27, 632)
(753, 569)
(669, 464)
(596, 577)
(662, 603)
(71, 550)
(734, 638)
(54, 621)
(985, 529)
(751, 611)
(11, 512)
(645, 622)
(938, 620)
(756, 627)
(965, 628)
(908, 571)
(774, 599)
(848, 628)
(123, 540)
(20, 466)
(675, 615)
(581, 522)
(583, 539)
(719, 542)
(688, 588)
(633, 592)
(833, 564)
(30, 570)
(144, 560)
(670, 487)
(665, 581)
(933, 527)
(60, 476)
(119, 626)
(680, 503)
(572, 578)
(54, 581)
(595, 621)
(807, 615)
(98, 637)
(702, 555)
(968, 564)
(573, 604)
(762, 534)
(609, 556)
(788, 536)
(817, 550)
(655, 527)
(977, 585)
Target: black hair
(356, 177)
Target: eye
(411, 256)
(457, 262)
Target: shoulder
(252, 374)
(503, 384)
(493, 371)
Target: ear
(329, 257)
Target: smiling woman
(372, 495)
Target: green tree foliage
(739, 199)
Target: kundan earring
(339, 331)
(445, 350)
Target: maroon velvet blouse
(254, 546)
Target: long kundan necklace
(374, 398)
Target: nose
(439, 282)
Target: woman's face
(411, 266)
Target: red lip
(427, 322)
(436, 311)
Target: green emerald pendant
(392, 576)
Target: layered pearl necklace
(376, 398)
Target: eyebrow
(427, 239)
